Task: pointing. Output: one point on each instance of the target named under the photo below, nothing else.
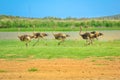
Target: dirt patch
(60, 69)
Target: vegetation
(11, 23)
(57, 29)
(11, 49)
(32, 69)
(1, 71)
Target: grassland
(12, 49)
(57, 29)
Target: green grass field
(57, 29)
(12, 49)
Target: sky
(59, 8)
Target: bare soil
(61, 69)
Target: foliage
(53, 23)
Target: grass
(57, 29)
(1, 71)
(32, 69)
(12, 49)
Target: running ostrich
(61, 37)
(38, 35)
(96, 34)
(89, 36)
(25, 38)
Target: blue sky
(60, 8)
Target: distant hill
(115, 17)
(8, 16)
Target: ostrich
(26, 38)
(61, 37)
(96, 34)
(87, 36)
(38, 36)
